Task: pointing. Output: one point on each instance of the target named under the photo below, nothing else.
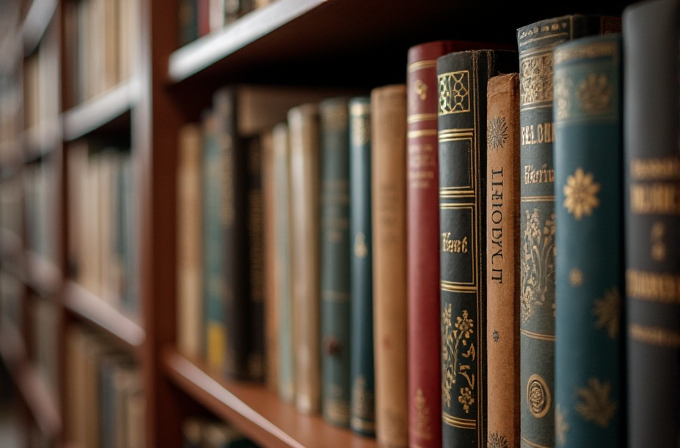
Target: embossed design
(596, 406)
(423, 428)
(454, 368)
(608, 312)
(537, 79)
(538, 262)
(497, 441)
(561, 426)
(466, 398)
(581, 194)
(360, 248)
(595, 94)
(576, 277)
(562, 101)
(496, 132)
(538, 396)
(420, 89)
(454, 92)
(496, 336)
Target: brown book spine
(502, 254)
(388, 125)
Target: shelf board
(109, 112)
(40, 140)
(36, 23)
(29, 382)
(41, 274)
(257, 411)
(105, 316)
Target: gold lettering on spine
(422, 163)
(658, 336)
(644, 285)
(538, 176)
(655, 169)
(454, 246)
(537, 134)
(655, 198)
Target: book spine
(422, 191)
(303, 123)
(461, 122)
(188, 21)
(362, 409)
(537, 219)
(589, 262)
(335, 260)
(502, 259)
(281, 149)
(652, 220)
(388, 191)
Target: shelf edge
(36, 23)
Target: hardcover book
(652, 220)
(462, 78)
(588, 154)
(537, 216)
(502, 259)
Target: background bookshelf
(50, 103)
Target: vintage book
(461, 123)
(588, 153)
(284, 261)
(362, 404)
(188, 21)
(335, 259)
(303, 123)
(537, 216)
(388, 203)
(502, 260)
(189, 272)
(651, 222)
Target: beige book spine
(304, 141)
(502, 216)
(388, 189)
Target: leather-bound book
(462, 79)
(362, 404)
(388, 195)
(502, 259)
(588, 152)
(303, 123)
(335, 260)
(652, 220)
(537, 216)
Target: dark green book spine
(335, 260)
(361, 353)
(537, 218)
(188, 21)
(588, 155)
(652, 222)
(462, 78)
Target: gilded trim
(456, 422)
(542, 337)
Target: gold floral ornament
(561, 426)
(538, 263)
(596, 405)
(562, 99)
(580, 193)
(595, 93)
(466, 398)
(454, 340)
(496, 132)
(498, 441)
(608, 312)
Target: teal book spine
(335, 260)
(362, 405)
(588, 156)
(282, 204)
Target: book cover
(651, 222)
(502, 259)
(388, 193)
(362, 405)
(335, 259)
(537, 216)
(588, 155)
(462, 78)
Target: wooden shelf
(40, 140)
(95, 310)
(257, 411)
(41, 274)
(109, 113)
(30, 384)
(36, 23)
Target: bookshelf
(328, 43)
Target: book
(588, 153)
(388, 203)
(461, 130)
(303, 124)
(335, 259)
(362, 402)
(537, 215)
(651, 222)
(502, 259)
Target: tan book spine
(502, 220)
(303, 121)
(388, 189)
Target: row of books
(38, 193)
(204, 432)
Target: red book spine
(203, 17)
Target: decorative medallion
(420, 89)
(360, 249)
(538, 262)
(538, 396)
(457, 357)
(561, 426)
(596, 405)
(496, 132)
(580, 194)
(595, 94)
(454, 92)
(562, 99)
(537, 79)
(576, 277)
(497, 441)
(608, 312)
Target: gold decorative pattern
(360, 248)
(420, 89)
(657, 241)
(608, 312)
(561, 426)
(580, 194)
(594, 50)
(595, 94)
(455, 360)
(537, 79)
(361, 129)
(497, 441)
(538, 262)
(576, 277)
(423, 416)
(596, 406)
(454, 92)
(496, 132)
(538, 396)
(363, 402)
(562, 99)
